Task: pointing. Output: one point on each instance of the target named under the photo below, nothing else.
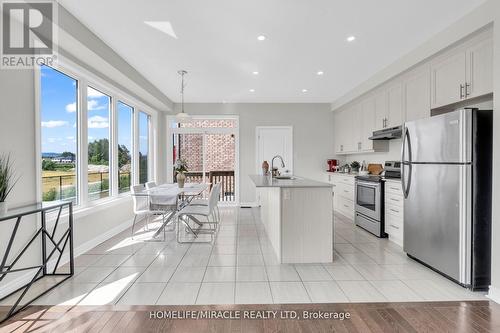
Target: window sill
(91, 208)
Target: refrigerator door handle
(406, 138)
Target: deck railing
(226, 178)
(63, 187)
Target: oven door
(368, 199)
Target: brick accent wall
(220, 151)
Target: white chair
(142, 206)
(206, 211)
(204, 202)
(150, 185)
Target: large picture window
(98, 115)
(143, 147)
(125, 121)
(105, 125)
(59, 116)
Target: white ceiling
(217, 42)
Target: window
(125, 121)
(59, 118)
(98, 115)
(143, 147)
(117, 139)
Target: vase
(181, 179)
(3, 207)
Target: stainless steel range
(369, 198)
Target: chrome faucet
(272, 163)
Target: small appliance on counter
(332, 165)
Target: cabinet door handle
(395, 211)
(462, 91)
(467, 90)
(395, 227)
(397, 200)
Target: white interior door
(272, 141)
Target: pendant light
(182, 117)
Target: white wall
(495, 262)
(17, 137)
(312, 130)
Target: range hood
(388, 133)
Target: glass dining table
(170, 199)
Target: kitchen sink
(285, 177)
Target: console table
(50, 255)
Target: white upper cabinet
(463, 73)
(480, 68)
(388, 105)
(394, 105)
(417, 93)
(448, 79)
(380, 108)
(367, 123)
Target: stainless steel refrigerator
(447, 185)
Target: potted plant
(7, 180)
(355, 166)
(181, 168)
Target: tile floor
(241, 268)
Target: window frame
(84, 79)
(206, 130)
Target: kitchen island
(297, 215)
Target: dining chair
(206, 211)
(204, 202)
(150, 185)
(141, 205)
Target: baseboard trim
(494, 294)
(26, 278)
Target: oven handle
(367, 184)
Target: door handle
(462, 91)
(406, 138)
(467, 90)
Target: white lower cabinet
(394, 211)
(343, 193)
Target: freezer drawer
(437, 221)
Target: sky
(59, 115)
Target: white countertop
(266, 181)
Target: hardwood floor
(470, 316)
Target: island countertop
(267, 181)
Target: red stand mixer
(332, 165)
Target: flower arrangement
(181, 166)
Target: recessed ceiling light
(320, 73)
(252, 90)
(261, 37)
(304, 90)
(255, 73)
(351, 38)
